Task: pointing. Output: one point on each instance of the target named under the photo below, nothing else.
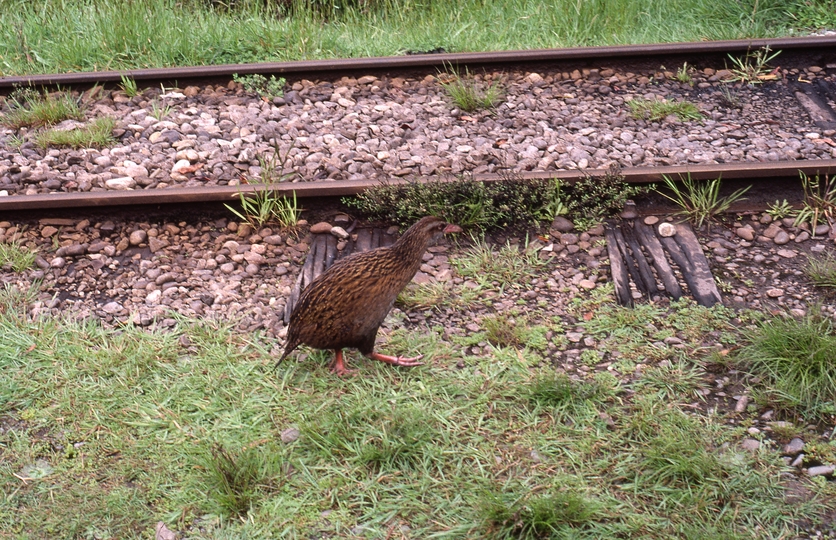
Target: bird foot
(338, 366)
(398, 360)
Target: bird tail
(283, 356)
(289, 347)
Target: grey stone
(561, 224)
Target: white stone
(666, 229)
(121, 183)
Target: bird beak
(450, 228)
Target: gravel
(376, 128)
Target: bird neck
(413, 243)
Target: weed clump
(492, 205)
(796, 360)
(822, 270)
(466, 93)
(545, 516)
(236, 480)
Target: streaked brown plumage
(346, 304)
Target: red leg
(398, 360)
(338, 366)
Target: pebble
(781, 237)
(561, 224)
(137, 237)
(121, 183)
(112, 307)
(821, 470)
(340, 233)
(321, 227)
(795, 446)
(750, 445)
(747, 233)
(377, 131)
(290, 435)
(666, 229)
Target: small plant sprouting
(780, 209)
(263, 205)
(700, 202)
(729, 97)
(657, 109)
(129, 86)
(555, 201)
(753, 67)
(160, 111)
(262, 86)
(683, 75)
(819, 201)
(465, 92)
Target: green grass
(467, 94)
(129, 86)
(438, 295)
(796, 360)
(261, 85)
(46, 37)
(508, 266)
(700, 201)
(15, 256)
(97, 133)
(657, 109)
(821, 269)
(107, 431)
(28, 108)
(753, 68)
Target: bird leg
(338, 366)
(398, 360)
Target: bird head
(435, 227)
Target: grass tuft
(16, 257)
(700, 202)
(237, 481)
(466, 93)
(657, 109)
(543, 516)
(821, 269)
(796, 358)
(508, 266)
(29, 108)
(96, 134)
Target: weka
(346, 304)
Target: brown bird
(346, 304)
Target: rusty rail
(171, 196)
(823, 46)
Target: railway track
(362, 121)
(150, 254)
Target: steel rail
(822, 45)
(311, 190)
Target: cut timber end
(640, 258)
